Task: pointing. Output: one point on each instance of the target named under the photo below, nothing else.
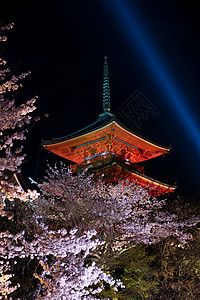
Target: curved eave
(142, 138)
(103, 120)
(68, 139)
(78, 134)
(155, 187)
(144, 177)
(154, 182)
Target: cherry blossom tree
(14, 120)
(62, 256)
(122, 213)
(69, 213)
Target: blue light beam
(159, 72)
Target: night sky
(152, 47)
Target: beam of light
(141, 43)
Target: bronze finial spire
(106, 87)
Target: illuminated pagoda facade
(107, 147)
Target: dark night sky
(63, 44)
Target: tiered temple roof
(106, 144)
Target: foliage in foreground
(166, 270)
(80, 226)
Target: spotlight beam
(140, 42)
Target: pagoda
(107, 147)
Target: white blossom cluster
(13, 121)
(5, 283)
(66, 277)
(130, 209)
(71, 279)
(125, 211)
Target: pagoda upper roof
(102, 120)
(105, 135)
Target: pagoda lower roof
(123, 171)
(105, 134)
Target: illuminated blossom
(13, 121)
(67, 276)
(123, 212)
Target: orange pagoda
(107, 147)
